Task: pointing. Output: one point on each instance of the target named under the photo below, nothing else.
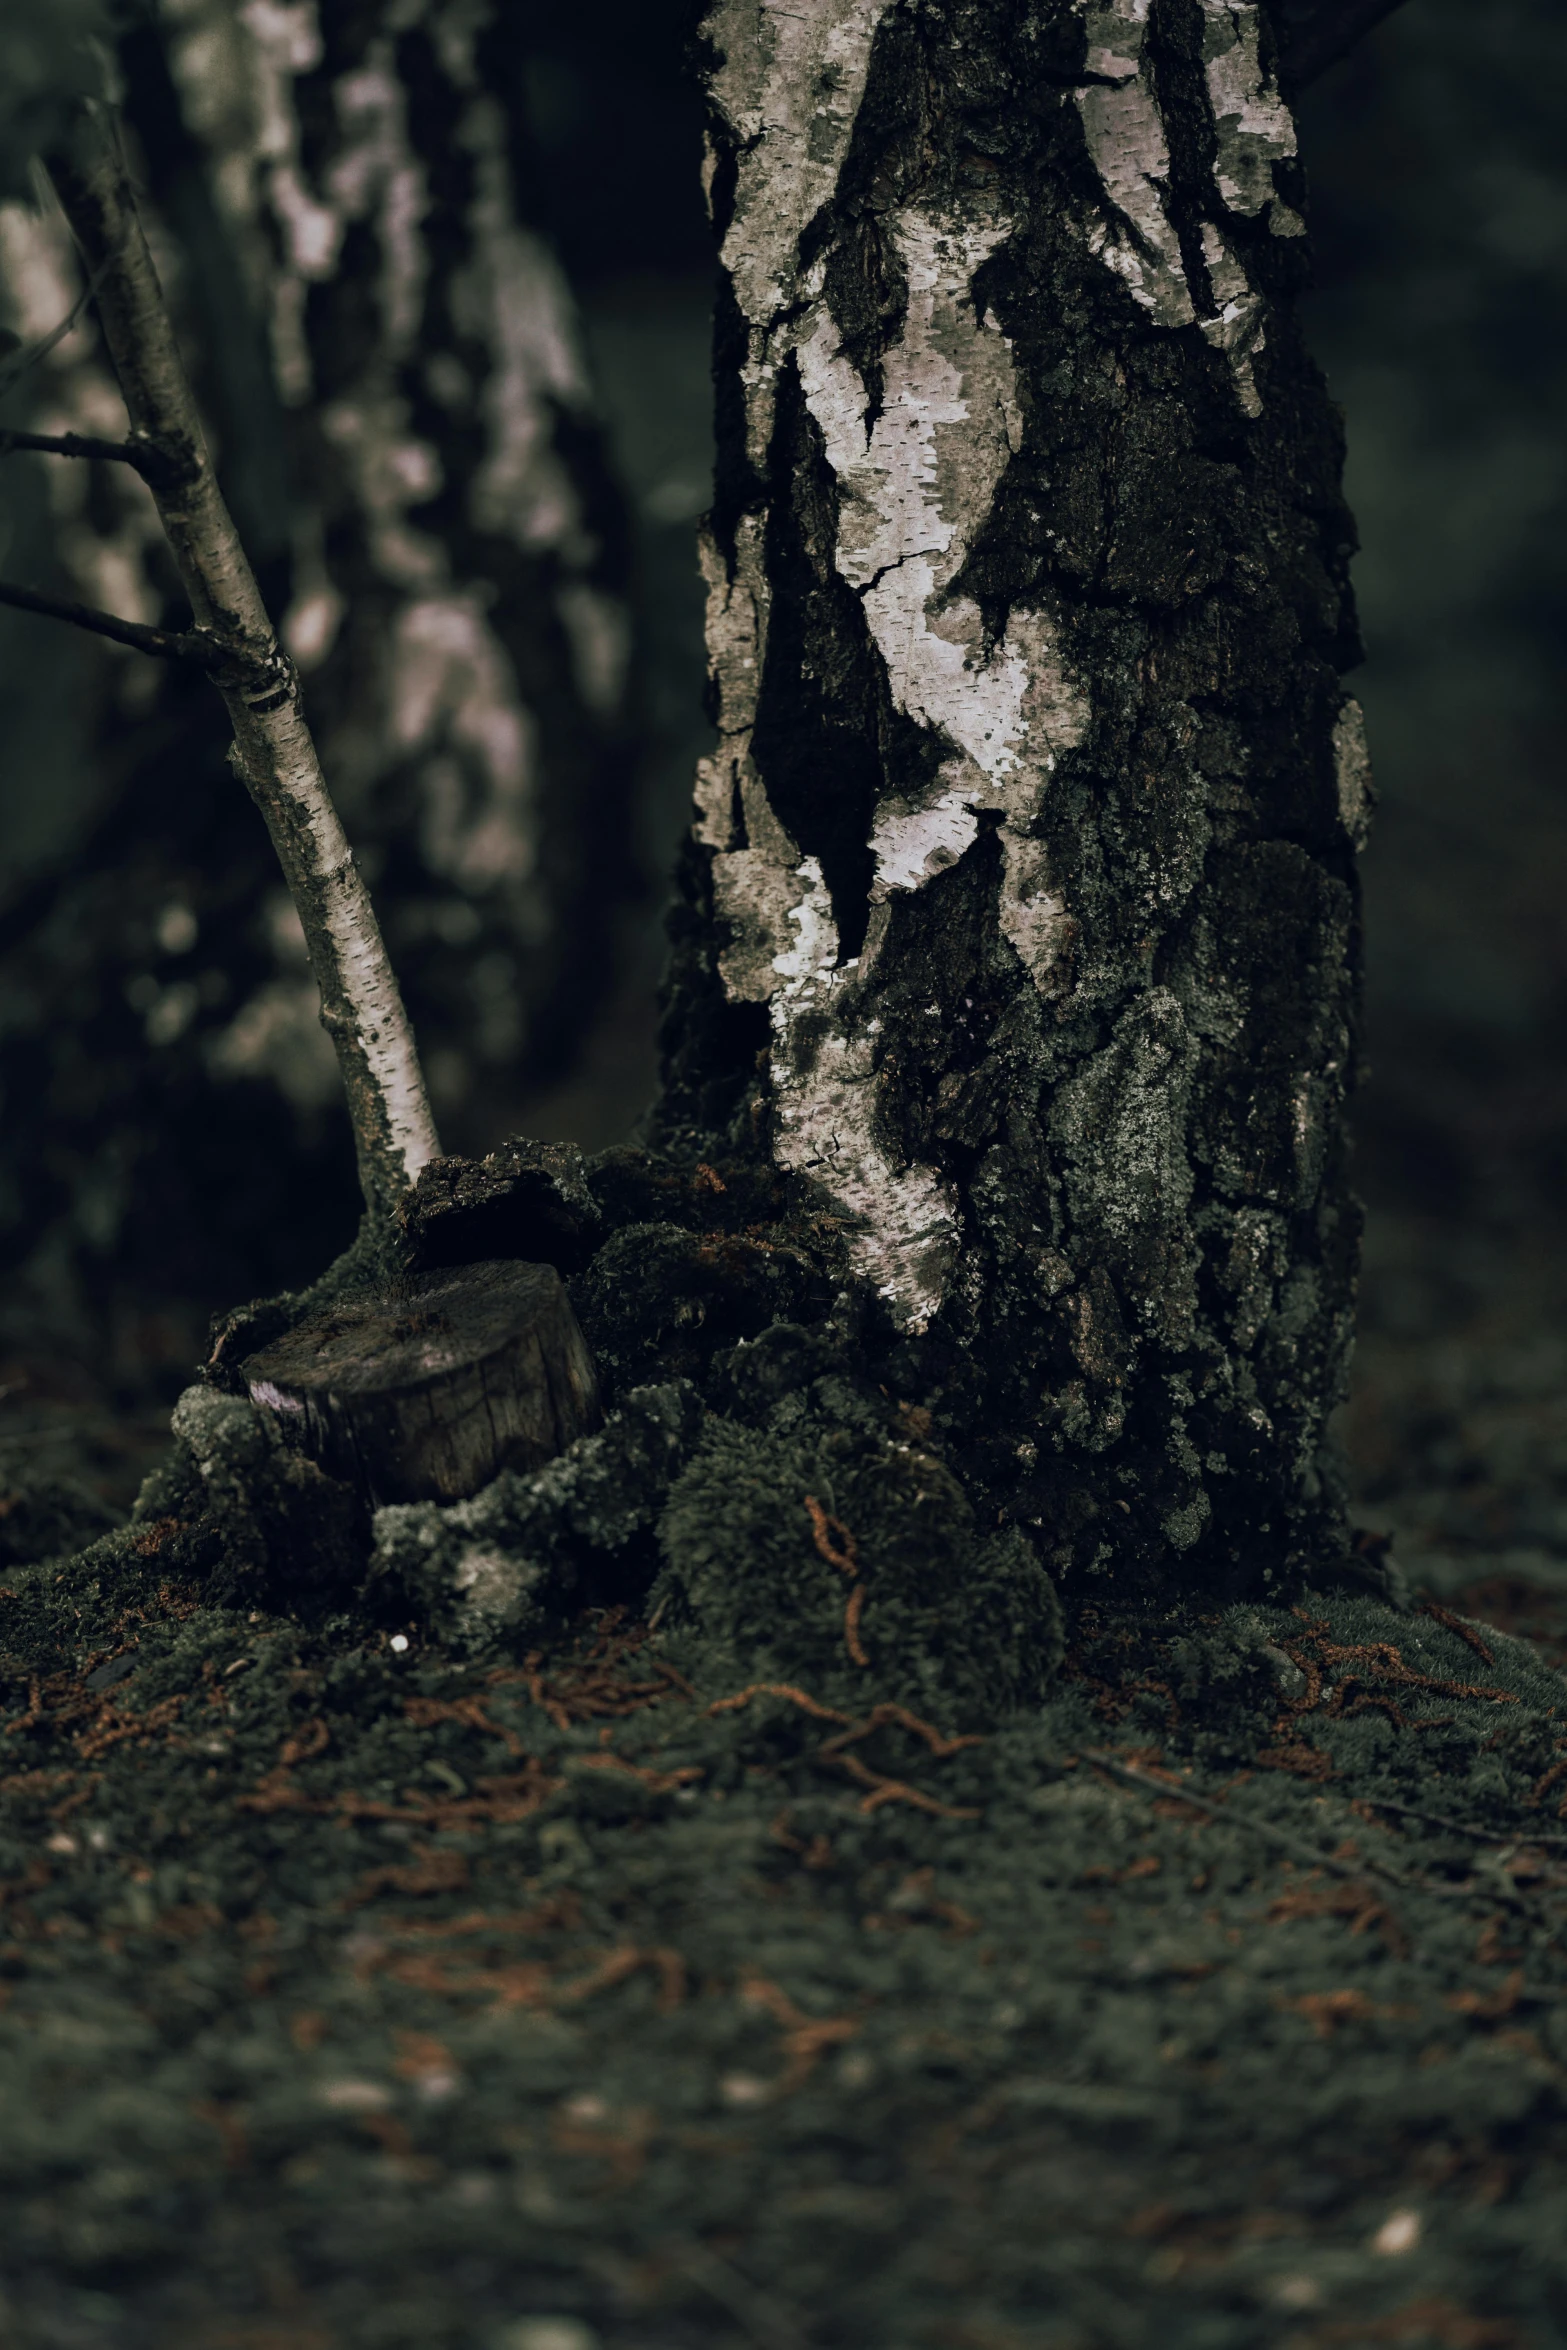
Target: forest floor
(354, 1997)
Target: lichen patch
(1352, 771)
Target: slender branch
(69, 444)
(167, 644)
(361, 1009)
(1296, 1846)
(1331, 34)
(158, 467)
(1434, 1819)
(1236, 1816)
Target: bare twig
(1433, 1819)
(1493, 1896)
(361, 1008)
(71, 444)
(143, 456)
(1296, 1846)
(762, 2318)
(167, 644)
(1330, 34)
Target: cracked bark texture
(1020, 913)
(404, 427)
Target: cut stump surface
(426, 1393)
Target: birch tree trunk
(1020, 912)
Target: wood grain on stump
(426, 1393)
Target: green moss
(769, 1532)
(508, 1563)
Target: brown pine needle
(810, 1705)
(884, 1790)
(1464, 1631)
(832, 1538)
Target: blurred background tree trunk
(399, 395)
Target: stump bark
(426, 1393)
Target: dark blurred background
(1438, 158)
(1438, 162)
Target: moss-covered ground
(769, 1951)
(356, 1995)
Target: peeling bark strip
(361, 1009)
(1033, 819)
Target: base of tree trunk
(426, 1393)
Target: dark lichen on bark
(1145, 1295)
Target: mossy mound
(825, 1545)
(725, 1285)
(261, 1525)
(825, 1528)
(848, 1560)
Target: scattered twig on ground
(878, 1718)
(784, 1689)
(1296, 1846)
(805, 2037)
(853, 1608)
(588, 1687)
(1435, 1819)
(881, 1788)
(1492, 1895)
(657, 1782)
(1356, 1902)
(884, 1790)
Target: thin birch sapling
(234, 641)
(435, 1392)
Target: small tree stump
(427, 1393)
